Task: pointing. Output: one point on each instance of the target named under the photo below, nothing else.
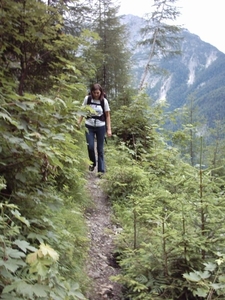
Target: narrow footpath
(101, 264)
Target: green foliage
(36, 52)
(169, 213)
(26, 272)
(214, 154)
(208, 283)
(135, 125)
(112, 58)
(39, 140)
(43, 155)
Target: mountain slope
(198, 72)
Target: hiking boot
(100, 175)
(91, 168)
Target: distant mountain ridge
(198, 72)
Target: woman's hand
(109, 132)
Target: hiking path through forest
(101, 262)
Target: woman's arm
(80, 120)
(108, 123)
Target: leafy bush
(169, 214)
(27, 272)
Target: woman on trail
(96, 125)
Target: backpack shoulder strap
(89, 100)
(103, 105)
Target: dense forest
(166, 187)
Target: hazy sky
(206, 18)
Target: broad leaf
(201, 292)
(31, 258)
(17, 214)
(210, 266)
(24, 245)
(40, 269)
(222, 278)
(47, 250)
(12, 264)
(25, 289)
(40, 290)
(14, 253)
(192, 276)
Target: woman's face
(96, 94)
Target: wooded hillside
(166, 188)
(197, 72)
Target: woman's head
(97, 91)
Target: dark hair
(95, 87)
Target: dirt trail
(101, 264)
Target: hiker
(97, 125)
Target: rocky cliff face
(199, 72)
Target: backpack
(102, 103)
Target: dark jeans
(99, 132)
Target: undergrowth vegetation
(43, 233)
(171, 215)
(43, 156)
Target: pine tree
(161, 37)
(113, 62)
